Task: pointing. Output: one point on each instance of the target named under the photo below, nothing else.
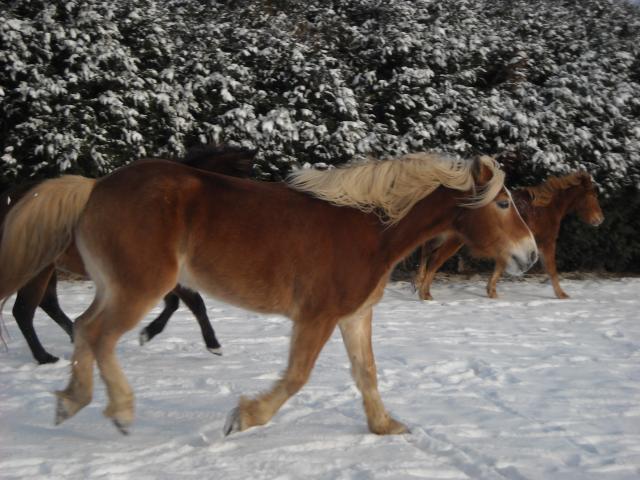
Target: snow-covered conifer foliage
(545, 85)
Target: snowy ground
(526, 386)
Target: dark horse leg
(41, 290)
(194, 302)
(50, 305)
(431, 259)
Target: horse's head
(493, 228)
(587, 205)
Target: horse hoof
(123, 427)
(398, 428)
(392, 427)
(62, 411)
(47, 358)
(67, 407)
(232, 423)
(215, 351)
(121, 416)
(143, 337)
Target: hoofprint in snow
(525, 386)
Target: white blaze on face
(524, 253)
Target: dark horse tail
(39, 228)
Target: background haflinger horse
(542, 207)
(318, 250)
(41, 289)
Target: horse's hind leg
(122, 312)
(307, 339)
(548, 256)
(50, 305)
(356, 333)
(195, 303)
(171, 303)
(24, 309)
(96, 334)
(79, 391)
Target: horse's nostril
(533, 257)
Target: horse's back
(265, 243)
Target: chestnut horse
(318, 250)
(41, 289)
(542, 207)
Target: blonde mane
(392, 187)
(541, 195)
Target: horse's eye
(503, 203)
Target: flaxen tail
(39, 228)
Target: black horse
(41, 290)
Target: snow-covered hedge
(545, 85)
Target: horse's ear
(585, 178)
(480, 171)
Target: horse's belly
(234, 288)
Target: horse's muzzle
(597, 221)
(522, 260)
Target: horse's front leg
(356, 333)
(493, 281)
(440, 255)
(418, 279)
(171, 304)
(307, 339)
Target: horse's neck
(430, 217)
(566, 201)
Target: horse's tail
(39, 228)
